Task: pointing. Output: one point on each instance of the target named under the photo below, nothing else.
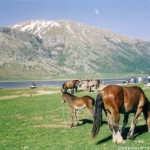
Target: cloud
(96, 11)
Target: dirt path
(28, 95)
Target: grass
(40, 122)
(75, 76)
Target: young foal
(115, 100)
(77, 103)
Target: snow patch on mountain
(69, 29)
(36, 26)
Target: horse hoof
(130, 137)
(71, 125)
(78, 124)
(119, 142)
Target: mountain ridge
(68, 47)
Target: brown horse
(73, 85)
(77, 103)
(116, 100)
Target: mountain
(42, 48)
(23, 56)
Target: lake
(26, 84)
(56, 83)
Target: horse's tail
(98, 83)
(97, 115)
(148, 105)
(147, 116)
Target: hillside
(23, 56)
(47, 48)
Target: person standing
(132, 80)
(139, 79)
(149, 79)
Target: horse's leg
(89, 106)
(90, 89)
(96, 87)
(66, 89)
(75, 114)
(76, 89)
(109, 120)
(72, 116)
(110, 123)
(72, 90)
(125, 121)
(117, 138)
(87, 88)
(146, 113)
(133, 124)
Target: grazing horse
(115, 100)
(73, 85)
(90, 83)
(77, 103)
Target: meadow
(37, 120)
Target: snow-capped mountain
(36, 26)
(66, 47)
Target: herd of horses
(73, 85)
(114, 100)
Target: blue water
(27, 84)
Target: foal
(77, 103)
(115, 100)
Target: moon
(96, 11)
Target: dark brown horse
(73, 85)
(77, 103)
(116, 100)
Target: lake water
(26, 84)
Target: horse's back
(112, 97)
(88, 100)
(125, 99)
(111, 90)
(134, 92)
(67, 84)
(134, 98)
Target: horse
(77, 103)
(116, 100)
(90, 83)
(73, 85)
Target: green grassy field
(34, 120)
(76, 76)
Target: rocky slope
(44, 48)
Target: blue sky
(126, 17)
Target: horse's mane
(69, 94)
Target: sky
(127, 17)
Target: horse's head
(77, 82)
(80, 83)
